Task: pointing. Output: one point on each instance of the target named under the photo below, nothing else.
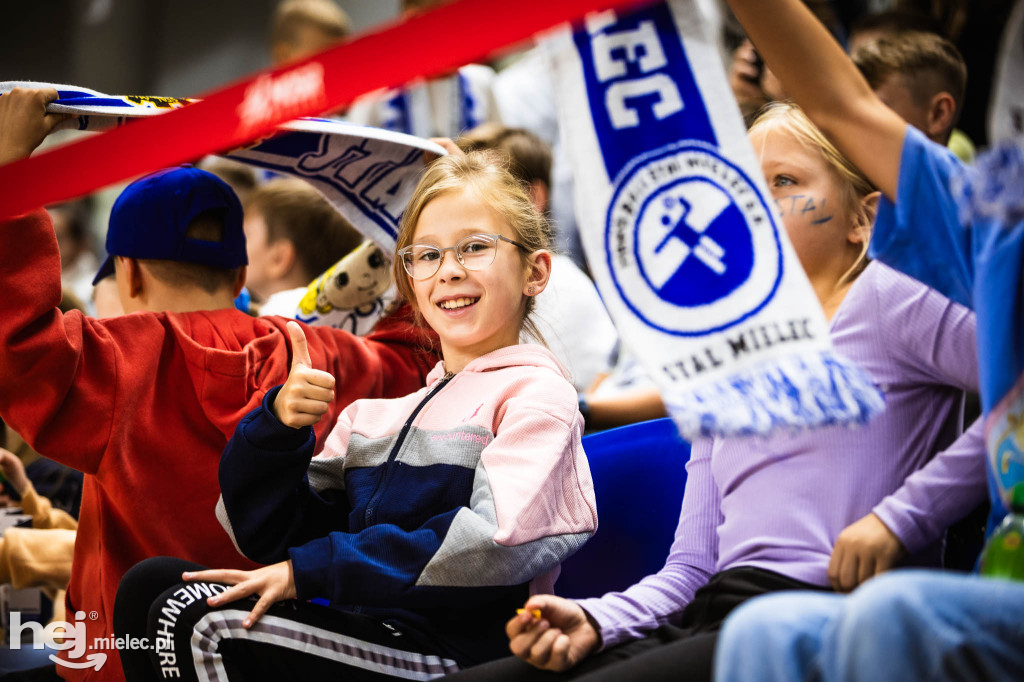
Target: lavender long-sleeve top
(779, 503)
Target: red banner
(425, 45)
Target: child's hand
(559, 639)
(273, 583)
(745, 73)
(14, 470)
(864, 549)
(24, 121)
(449, 146)
(308, 393)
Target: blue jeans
(905, 625)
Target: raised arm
(820, 77)
(58, 372)
(43, 513)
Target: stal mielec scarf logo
(692, 246)
(682, 237)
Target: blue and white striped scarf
(683, 237)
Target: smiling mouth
(457, 303)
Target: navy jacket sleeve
(266, 503)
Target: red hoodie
(145, 403)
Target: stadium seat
(639, 475)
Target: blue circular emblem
(692, 246)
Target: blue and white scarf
(96, 111)
(440, 107)
(682, 235)
(367, 174)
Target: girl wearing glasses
(425, 520)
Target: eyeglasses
(475, 252)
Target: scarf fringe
(796, 392)
(993, 188)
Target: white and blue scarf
(439, 107)
(367, 174)
(683, 237)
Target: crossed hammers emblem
(693, 240)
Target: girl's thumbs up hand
(308, 393)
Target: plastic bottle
(1003, 555)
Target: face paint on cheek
(790, 205)
(802, 204)
(819, 211)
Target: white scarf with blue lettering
(682, 235)
(367, 174)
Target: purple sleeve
(661, 597)
(939, 494)
(935, 344)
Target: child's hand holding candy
(552, 633)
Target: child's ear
(239, 283)
(538, 272)
(539, 195)
(133, 275)
(941, 111)
(860, 231)
(283, 256)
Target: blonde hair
(488, 177)
(854, 185)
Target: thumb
(300, 351)
(538, 601)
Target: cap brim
(106, 270)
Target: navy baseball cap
(150, 217)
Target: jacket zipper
(368, 516)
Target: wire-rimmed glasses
(474, 252)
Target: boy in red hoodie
(145, 403)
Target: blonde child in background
(823, 510)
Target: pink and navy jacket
(441, 511)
